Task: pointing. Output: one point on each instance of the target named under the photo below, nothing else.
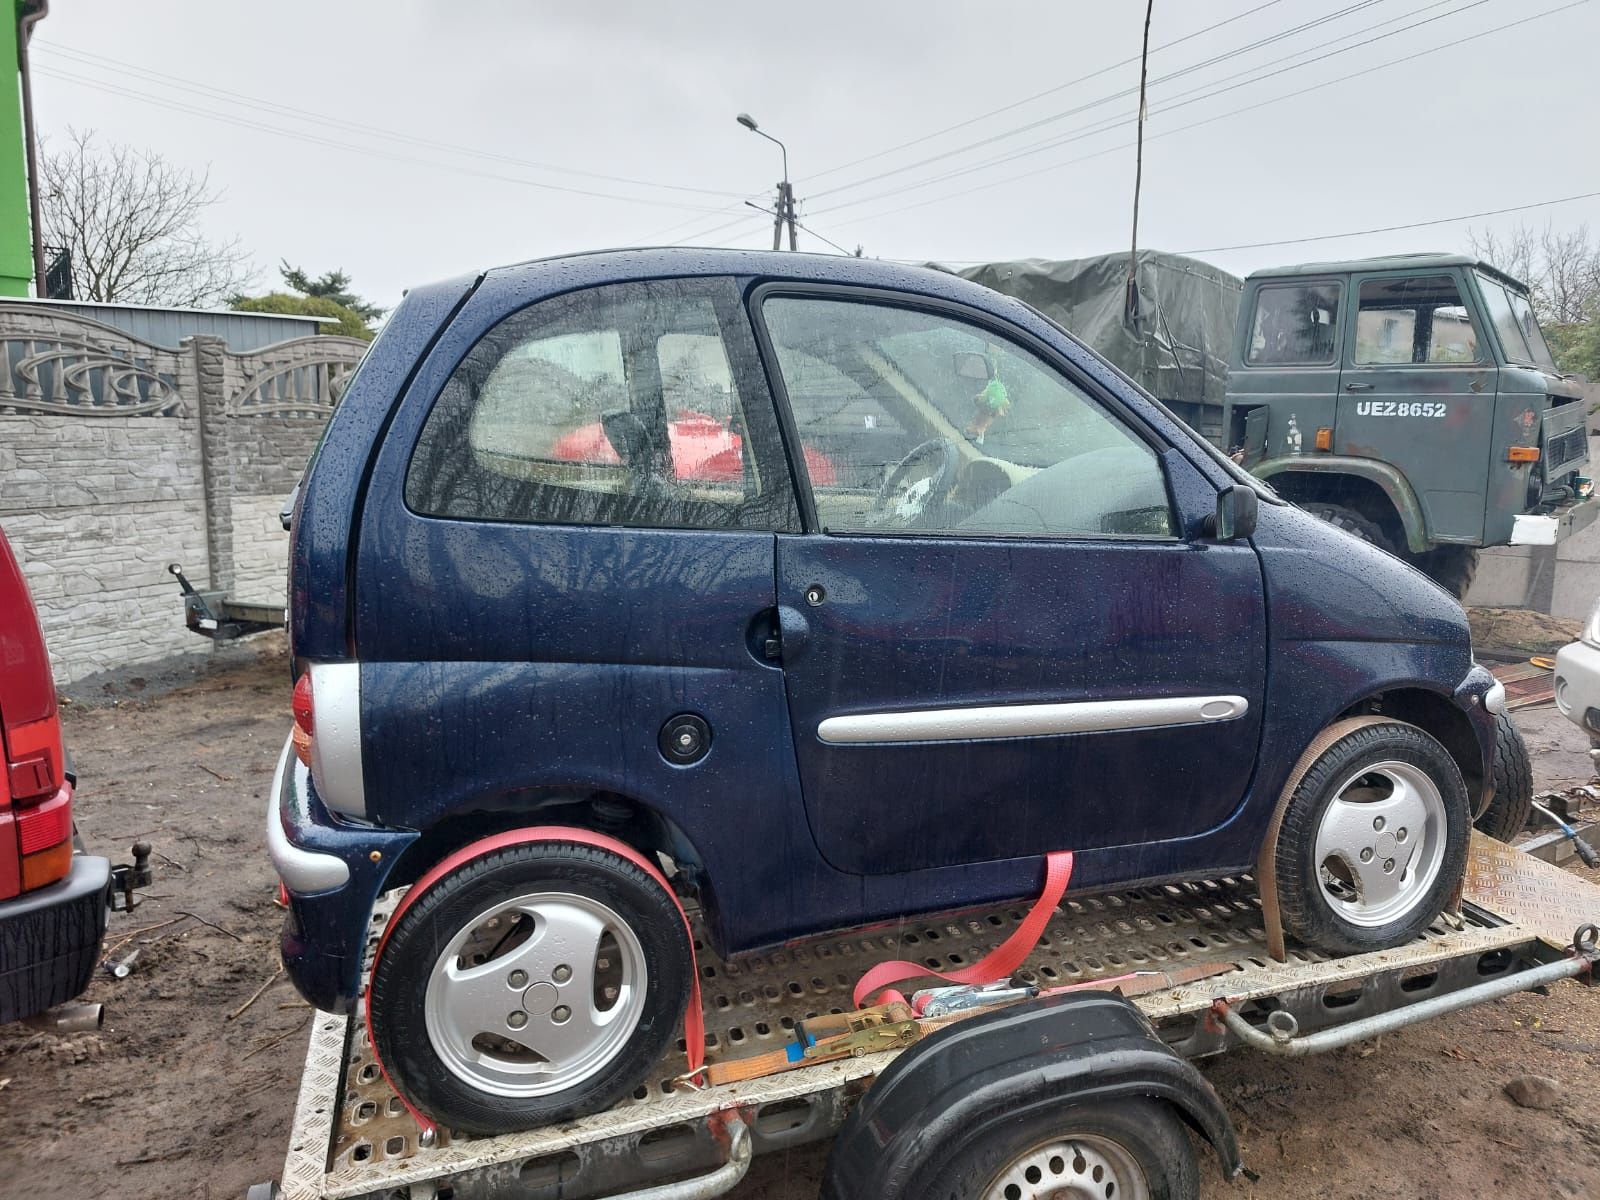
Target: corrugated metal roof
(168, 326)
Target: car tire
(586, 952)
(1349, 520)
(1134, 1148)
(1507, 814)
(1373, 840)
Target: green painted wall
(16, 239)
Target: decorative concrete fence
(118, 457)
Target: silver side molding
(1030, 720)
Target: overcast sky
(425, 130)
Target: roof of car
(1390, 262)
(698, 260)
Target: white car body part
(1578, 679)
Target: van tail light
(302, 717)
(44, 840)
(1523, 454)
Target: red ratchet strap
(999, 963)
(694, 1021)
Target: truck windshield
(1513, 319)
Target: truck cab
(1411, 400)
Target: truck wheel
(1349, 520)
(535, 984)
(1508, 812)
(1373, 841)
(1122, 1150)
(1452, 567)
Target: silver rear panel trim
(1029, 720)
(336, 742)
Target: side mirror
(972, 365)
(1236, 513)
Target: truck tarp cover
(1177, 346)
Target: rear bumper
(332, 870)
(50, 939)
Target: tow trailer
(1522, 923)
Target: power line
(1330, 237)
(1060, 87)
(1107, 99)
(303, 138)
(1183, 99)
(209, 91)
(902, 208)
(820, 237)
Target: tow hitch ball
(126, 877)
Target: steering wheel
(919, 480)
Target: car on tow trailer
(554, 689)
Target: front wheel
(1373, 841)
(535, 984)
(1122, 1150)
(1508, 812)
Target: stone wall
(118, 457)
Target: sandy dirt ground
(188, 1089)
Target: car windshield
(1512, 316)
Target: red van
(52, 901)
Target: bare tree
(131, 222)
(1561, 269)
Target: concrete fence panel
(118, 457)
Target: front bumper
(1578, 686)
(1546, 529)
(50, 939)
(332, 869)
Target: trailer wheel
(1373, 841)
(1508, 812)
(1124, 1150)
(535, 984)
(1349, 520)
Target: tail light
(302, 717)
(35, 779)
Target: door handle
(1358, 387)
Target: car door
(1288, 380)
(568, 536)
(1000, 644)
(1418, 391)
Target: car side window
(1413, 319)
(617, 405)
(916, 422)
(1294, 325)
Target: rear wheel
(1508, 812)
(535, 984)
(1122, 1150)
(1349, 520)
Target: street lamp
(783, 211)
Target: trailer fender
(964, 1082)
(1388, 478)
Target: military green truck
(1411, 400)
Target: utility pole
(1131, 300)
(783, 210)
